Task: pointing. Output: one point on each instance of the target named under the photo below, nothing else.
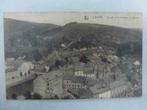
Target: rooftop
(80, 79)
(82, 93)
(51, 75)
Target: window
(78, 86)
(29, 72)
(25, 74)
(48, 84)
(21, 74)
(48, 88)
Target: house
(18, 71)
(39, 66)
(82, 93)
(120, 87)
(84, 70)
(116, 89)
(102, 70)
(69, 70)
(100, 89)
(25, 68)
(100, 92)
(49, 84)
(77, 82)
(74, 82)
(81, 73)
(105, 94)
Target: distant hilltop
(30, 39)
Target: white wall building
(18, 71)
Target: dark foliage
(84, 59)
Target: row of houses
(55, 83)
(116, 89)
(81, 69)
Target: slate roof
(81, 93)
(75, 79)
(80, 79)
(51, 75)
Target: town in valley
(73, 61)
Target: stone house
(49, 84)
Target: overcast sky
(128, 20)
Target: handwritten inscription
(108, 17)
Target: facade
(85, 70)
(82, 93)
(116, 89)
(49, 84)
(74, 82)
(119, 88)
(106, 94)
(81, 73)
(77, 82)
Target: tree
(36, 55)
(84, 59)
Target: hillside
(23, 37)
(31, 39)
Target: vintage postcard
(73, 55)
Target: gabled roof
(51, 75)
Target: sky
(127, 20)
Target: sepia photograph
(72, 55)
